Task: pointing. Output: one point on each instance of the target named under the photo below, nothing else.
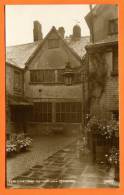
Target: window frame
(18, 74)
(67, 112)
(51, 45)
(42, 112)
(113, 22)
(44, 80)
(58, 77)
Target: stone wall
(101, 17)
(11, 92)
(10, 81)
(104, 97)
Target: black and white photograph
(62, 96)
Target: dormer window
(53, 43)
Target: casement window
(60, 76)
(76, 77)
(48, 76)
(68, 80)
(42, 76)
(17, 80)
(113, 26)
(70, 112)
(42, 112)
(115, 61)
(53, 43)
(72, 79)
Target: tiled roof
(19, 54)
(78, 45)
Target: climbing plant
(97, 76)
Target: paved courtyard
(42, 148)
(60, 167)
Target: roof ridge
(23, 44)
(18, 45)
(40, 45)
(80, 37)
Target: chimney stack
(37, 31)
(61, 31)
(76, 32)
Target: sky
(19, 20)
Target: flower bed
(23, 143)
(18, 143)
(10, 148)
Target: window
(69, 112)
(42, 76)
(17, 80)
(115, 62)
(49, 76)
(68, 80)
(113, 26)
(76, 77)
(60, 76)
(42, 112)
(53, 43)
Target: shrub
(18, 143)
(23, 142)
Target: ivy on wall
(97, 76)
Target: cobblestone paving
(65, 169)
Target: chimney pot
(61, 31)
(37, 31)
(76, 32)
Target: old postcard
(62, 94)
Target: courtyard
(55, 162)
(62, 104)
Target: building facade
(103, 95)
(45, 94)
